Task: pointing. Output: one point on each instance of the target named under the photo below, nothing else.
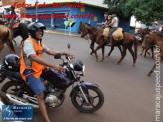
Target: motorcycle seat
(12, 74)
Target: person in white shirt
(161, 28)
(114, 25)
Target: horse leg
(10, 46)
(146, 51)
(123, 55)
(1, 46)
(97, 48)
(120, 49)
(92, 47)
(112, 48)
(142, 51)
(103, 50)
(132, 53)
(149, 74)
(152, 52)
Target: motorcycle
(85, 96)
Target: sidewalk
(60, 32)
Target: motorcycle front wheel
(94, 96)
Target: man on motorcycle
(32, 63)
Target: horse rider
(104, 22)
(8, 13)
(13, 19)
(113, 26)
(109, 21)
(155, 27)
(161, 28)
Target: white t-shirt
(116, 22)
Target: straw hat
(155, 22)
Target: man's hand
(72, 56)
(58, 68)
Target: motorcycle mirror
(68, 45)
(57, 56)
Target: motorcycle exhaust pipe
(19, 101)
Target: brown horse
(94, 37)
(126, 43)
(157, 40)
(5, 37)
(142, 33)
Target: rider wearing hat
(32, 63)
(104, 22)
(113, 26)
(155, 27)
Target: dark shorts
(36, 84)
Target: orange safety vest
(36, 67)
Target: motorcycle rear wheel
(13, 87)
(77, 96)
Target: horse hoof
(118, 63)
(107, 56)
(102, 60)
(149, 74)
(133, 65)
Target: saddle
(118, 34)
(106, 32)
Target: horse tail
(135, 48)
(8, 39)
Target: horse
(142, 33)
(157, 40)
(5, 37)
(127, 42)
(94, 37)
(21, 30)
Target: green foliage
(145, 11)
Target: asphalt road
(129, 93)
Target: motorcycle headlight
(83, 70)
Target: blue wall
(98, 12)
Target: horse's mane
(91, 25)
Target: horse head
(80, 28)
(83, 29)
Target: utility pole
(36, 11)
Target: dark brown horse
(157, 40)
(127, 42)
(142, 33)
(95, 38)
(21, 30)
(5, 37)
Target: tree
(145, 11)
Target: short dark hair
(115, 13)
(106, 13)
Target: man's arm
(40, 60)
(113, 21)
(52, 52)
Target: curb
(1, 106)
(50, 31)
